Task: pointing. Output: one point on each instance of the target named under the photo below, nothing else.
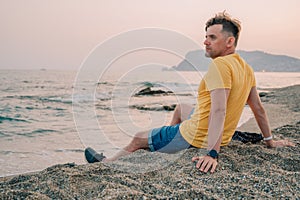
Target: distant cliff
(260, 61)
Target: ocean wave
(3, 118)
(9, 89)
(103, 96)
(105, 83)
(70, 150)
(58, 99)
(166, 84)
(4, 134)
(21, 97)
(148, 84)
(99, 96)
(38, 132)
(55, 108)
(102, 107)
(6, 152)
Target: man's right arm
(262, 120)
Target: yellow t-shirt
(230, 72)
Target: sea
(48, 117)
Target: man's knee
(185, 111)
(140, 140)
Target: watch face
(213, 153)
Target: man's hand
(279, 143)
(204, 163)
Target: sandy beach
(245, 171)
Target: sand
(245, 171)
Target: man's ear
(230, 41)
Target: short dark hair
(230, 24)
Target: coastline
(244, 171)
(282, 106)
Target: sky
(60, 34)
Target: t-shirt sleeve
(218, 75)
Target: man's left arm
(217, 115)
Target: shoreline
(244, 171)
(282, 106)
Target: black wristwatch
(213, 153)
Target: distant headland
(259, 61)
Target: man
(228, 85)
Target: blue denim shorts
(167, 139)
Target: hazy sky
(61, 33)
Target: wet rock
(154, 107)
(149, 91)
(263, 94)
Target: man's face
(215, 42)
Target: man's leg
(139, 141)
(182, 112)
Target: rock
(263, 94)
(154, 107)
(149, 91)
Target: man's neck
(229, 51)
